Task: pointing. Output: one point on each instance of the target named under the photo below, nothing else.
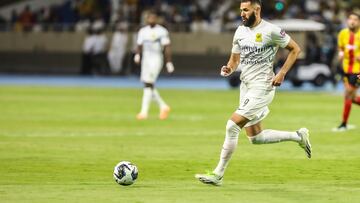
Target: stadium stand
(56, 28)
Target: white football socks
(274, 136)
(146, 100)
(156, 96)
(229, 146)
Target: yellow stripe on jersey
(349, 43)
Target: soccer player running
(349, 54)
(152, 43)
(254, 47)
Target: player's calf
(274, 136)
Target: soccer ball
(125, 173)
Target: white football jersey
(89, 43)
(100, 44)
(257, 48)
(153, 39)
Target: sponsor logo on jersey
(238, 41)
(246, 102)
(153, 36)
(351, 47)
(282, 33)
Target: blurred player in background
(118, 48)
(152, 43)
(86, 59)
(254, 47)
(349, 54)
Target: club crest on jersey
(153, 36)
(258, 37)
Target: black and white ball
(125, 173)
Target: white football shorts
(150, 69)
(254, 103)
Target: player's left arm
(294, 51)
(139, 47)
(138, 51)
(167, 53)
(340, 45)
(169, 65)
(165, 41)
(357, 55)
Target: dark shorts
(352, 79)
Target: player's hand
(278, 79)
(170, 67)
(226, 71)
(137, 58)
(341, 55)
(358, 76)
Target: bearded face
(249, 22)
(249, 13)
(151, 19)
(353, 22)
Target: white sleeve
(89, 44)
(279, 37)
(105, 40)
(165, 39)
(235, 44)
(140, 38)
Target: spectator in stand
(55, 18)
(86, 59)
(40, 17)
(83, 24)
(118, 48)
(98, 22)
(99, 51)
(69, 15)
(14, 17)
(313, 50)
(14, 24)
(86, 8)
(104, 7)
(26, 19)
(219, 15)
(199, 24)
(2, 23)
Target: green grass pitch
(61, 144)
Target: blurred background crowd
(177, 15)
(111, 26)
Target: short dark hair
(252, 2)
(153, 12)
(355, 14)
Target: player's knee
(149, 85)
(348, 96)
(232, 129)
(255, 139)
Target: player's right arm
(165, 41)
(137, 56)
(234, 59)
(231, 65)
(294, 51)
(138, 50)
(341, 46)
